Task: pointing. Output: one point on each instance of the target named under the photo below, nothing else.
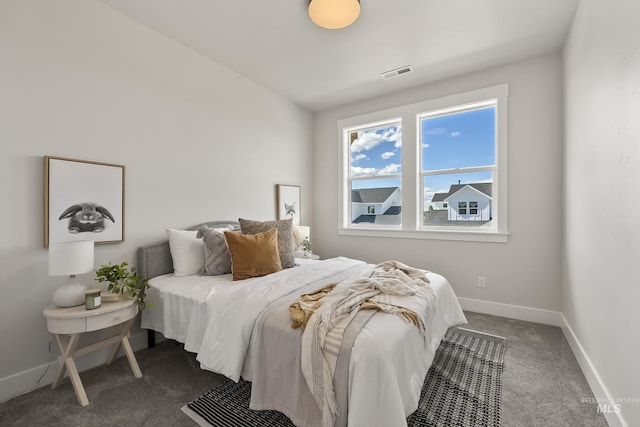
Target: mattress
(179, 309)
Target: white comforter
(232, 312)
(389, 360)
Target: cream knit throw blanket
(393, 287)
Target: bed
(225, 323)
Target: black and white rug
(462, 388)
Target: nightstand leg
(67, 348)
(132, 358)
(128, 351)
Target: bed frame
(155, 260)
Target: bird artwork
(86, 217)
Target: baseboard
(529, 314)
(31, 379)
(598, 388)
(554, 318)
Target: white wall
(601, 269)
(523, 272)
(199, 142)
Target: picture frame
(288, 202)
(83, 200)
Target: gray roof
(439, 197)
(372, 195)
(483, 187)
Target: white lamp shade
(334, 14)
(301, 232)
(70, 258)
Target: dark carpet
(462, 388)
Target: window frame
(462, 208)
(412, 180)
(396, 121)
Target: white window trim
(411, 185)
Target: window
(457, 151)
(462, 208)
(434, 169)
(375, 171)
(473, 208)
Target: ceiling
(274, 43)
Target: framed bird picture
(288, 200)
(83, 200)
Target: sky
(457, 140)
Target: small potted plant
(306, 246)
(124, 282)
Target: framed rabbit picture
(288, 200)
(83, 200)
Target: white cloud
(358, 157)
(358, 171)
(428, 193)
(455, 134)
(393, 134)
(387, 155)
(428, 196)
(367, 141)
(390, 169)
(425, 145)
(371, 139)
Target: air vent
(396, 72)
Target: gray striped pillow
(217, 258)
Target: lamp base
(70, 294)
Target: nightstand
(74, 321)
(305, 255)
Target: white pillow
(187, 252)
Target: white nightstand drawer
(112, 318)
(66, 326)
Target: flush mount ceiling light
(334, 14)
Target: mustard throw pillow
(253, 255)
(285, 236)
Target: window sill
(454, 235)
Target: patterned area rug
(462, 388)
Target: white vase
(70, 294)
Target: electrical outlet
(482, 281)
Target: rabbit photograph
(84, 200)
(86, 217)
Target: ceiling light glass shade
(334, 14)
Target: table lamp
(300, 234)
(69, 259)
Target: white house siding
(361, 208)
(394, 200)
(469, 194)
(358, 209)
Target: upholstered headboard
(155, 260)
